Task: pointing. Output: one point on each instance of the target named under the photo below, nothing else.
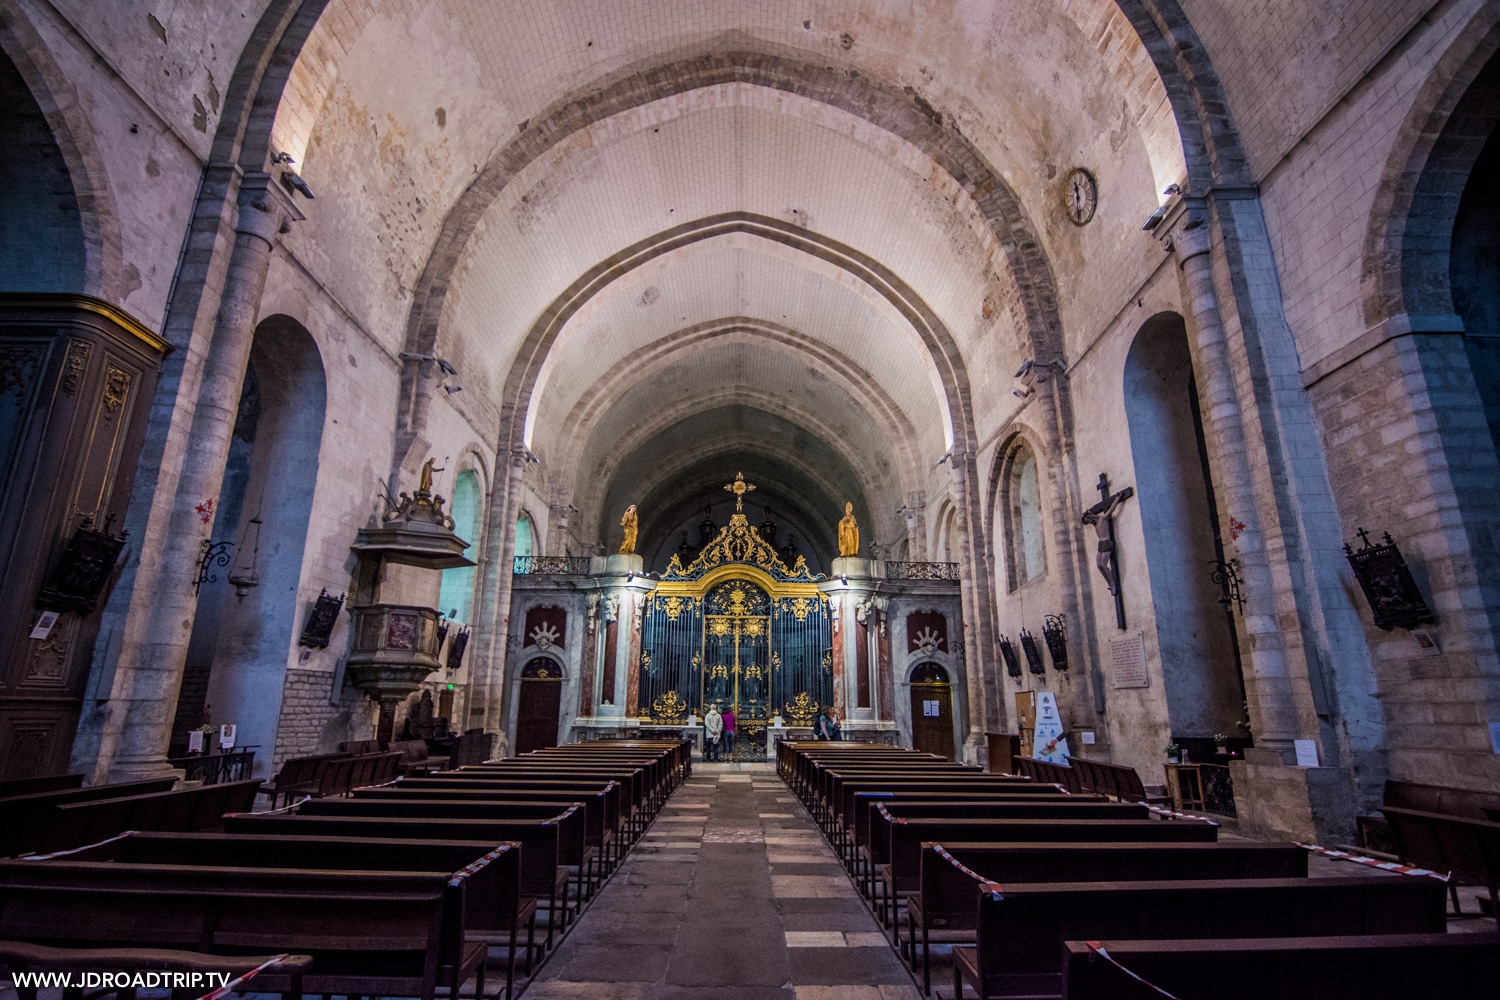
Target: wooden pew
(634, 804)
(858, 816)
(1466, 849)
(541, 873)
(26, 820)
(903, 840)
(609, 793)
(1050, 773)
(570, 817)
(830, 779)
(493, 906)
(44, 783)
(298, 776)
(182, 811)
(849, 827)
(1022, 926)
(944, 906)
(1376, 967)
(369, 933)
(1115, 780)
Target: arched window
(457, 594)
(525, 535)
(1023, 518)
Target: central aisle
(731, 894)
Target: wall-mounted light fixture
(1008, 654)
(1056, 636)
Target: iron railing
(555, 565)
(921, 570)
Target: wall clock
(1080, 196)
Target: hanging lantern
(244, 575)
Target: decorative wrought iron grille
(921, 570)
(740, 646)
(555, 565)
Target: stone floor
(732, 894)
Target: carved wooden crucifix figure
(1101, 517)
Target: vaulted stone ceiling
(618, 218)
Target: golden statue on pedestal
(631, 524)
(848, 533)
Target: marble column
(149, 667)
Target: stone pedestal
(622, 565)
(851, 566)
(1283, 802)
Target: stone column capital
(1185, 231)
(266, 209)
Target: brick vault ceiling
(396, 107)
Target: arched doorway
(540, 703)
(1200, 657)
(932, 710)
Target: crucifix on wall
(1101, 517)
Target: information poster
(1049, 740)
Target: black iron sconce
(1395, 601)
(456, 650)
(1008, 653)
(319, 627)
(1033, 653)
(214, 554)
(1056, 637)
(1226, 576)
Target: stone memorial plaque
(1127, 661)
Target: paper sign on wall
(195, 741)
(226, 737)
(44, 623)
(1049, 743)
(1307, 752)
(930, 709)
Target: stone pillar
(149, 666)
(493, 627)
(1268, 688)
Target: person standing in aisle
(728, 716)
(713, 729)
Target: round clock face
(1081, 196)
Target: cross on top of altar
(739, 488)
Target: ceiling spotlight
(282, 157)
(946, 459)
(1155, 219)
(296, 183)
(446, 367)
(451, 389)
(630, 577)
(844, 579)
(1173, 189)
(1025, 367)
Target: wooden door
(932, 711)
(540, 702)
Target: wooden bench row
(330, 774)
(396, 891)
(1031, 882)
(26, 820)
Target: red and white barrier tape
(1360, 859)
(1098, 948)
(1162, 811)
(234, 984)
(74, 850)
